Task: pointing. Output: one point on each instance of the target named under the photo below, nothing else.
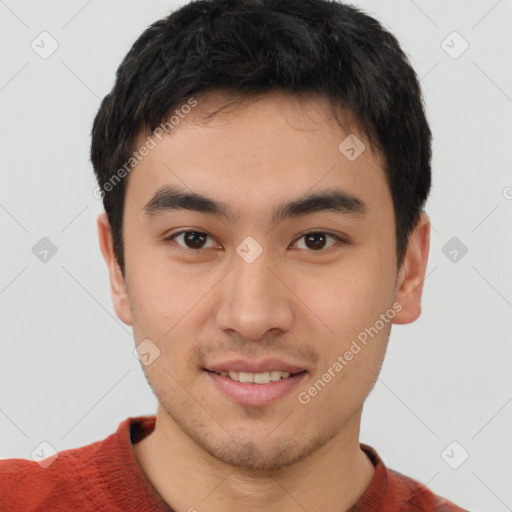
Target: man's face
(252, 291)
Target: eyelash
(170, 240)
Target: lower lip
(256, 395)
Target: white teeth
(256, 378)
(278, 375)
(262, 378)
(246, 377)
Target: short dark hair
(254, 46)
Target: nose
(255, 298)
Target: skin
(293, 302)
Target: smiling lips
(263, 372)
(255, 384)
(256, 378)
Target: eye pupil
(315, 236)
(191, 237)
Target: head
(270, 120)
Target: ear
(412, 273)
(117, 281)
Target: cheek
(350, 303)
(349, 298)
(156, 307)
(159, 291)
(165, 305)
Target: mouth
(255, 389)
(257, 378)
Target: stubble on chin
(239, 450)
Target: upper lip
(266, 365)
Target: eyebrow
(170, 198)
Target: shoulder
(25, 484)
(391, 490)
(415, 496)
(98, 476)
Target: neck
(334, 477)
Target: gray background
(68, 375)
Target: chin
(252, 456)
(258, 453)
(256, 450)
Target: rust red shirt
(105, 477)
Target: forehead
(264, 147)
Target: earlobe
(411, 274)
(117, 282)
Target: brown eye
(316, 241)
(191, 240)
(194, 240)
